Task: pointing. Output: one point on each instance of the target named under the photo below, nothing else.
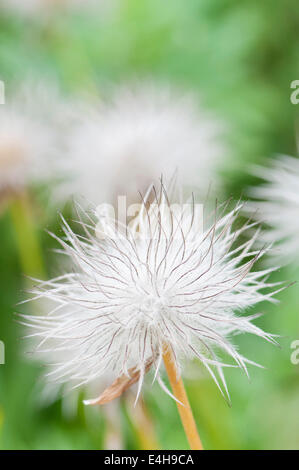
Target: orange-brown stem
(181, 395)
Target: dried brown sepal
(119, 386)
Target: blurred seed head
(24, 141)
(277, 204)
(32, 124)
(121, 145)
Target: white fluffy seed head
(277, 204)
(137, 135)
(162, 281)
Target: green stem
(140, 421)
(31, 258)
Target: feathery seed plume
(162, 280)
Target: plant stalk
(27, 238)
(180, 394)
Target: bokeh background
(240, 58)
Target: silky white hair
(160, 280)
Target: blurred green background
(240, 57)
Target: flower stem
(142, 423)
(113, 438)
(181, 395)
(26, 237)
